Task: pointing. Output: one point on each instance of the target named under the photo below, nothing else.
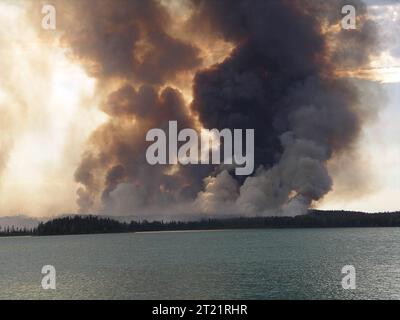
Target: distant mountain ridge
(20, 221)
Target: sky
(380, 143)
(54, 116)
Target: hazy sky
(380, 144)
(48, 110)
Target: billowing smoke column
(279, 79)
(116, 155)
(125, 45)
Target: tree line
(314, 219)
(11, 231)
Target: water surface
(228, 264)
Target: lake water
(237, 264)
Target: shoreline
(198, 230)
(89, 224)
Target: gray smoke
(281, 79)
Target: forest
(91, 224)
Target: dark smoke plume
(280, 79)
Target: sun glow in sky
(48, 110)
(47, 114)
(380, 142)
